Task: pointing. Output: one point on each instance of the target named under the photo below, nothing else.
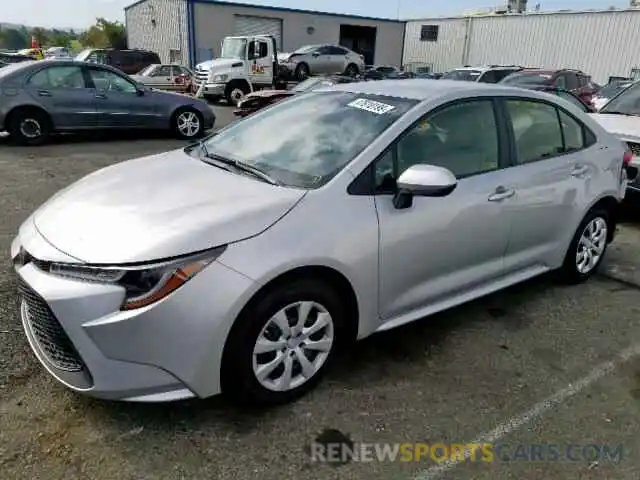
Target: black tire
(231, 92)
(352, 70)
(187, 114)
(302, 72)
(238, 378)
(569, 272)
(29, 126)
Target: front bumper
(168, 351)
(213, 89)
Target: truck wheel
(235, 92)
(302, 72)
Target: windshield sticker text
(371, 106)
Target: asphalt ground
(536, 366)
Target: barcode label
(371, 106)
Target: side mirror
(632, 172)
(423, 181)
(140, 90)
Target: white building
(601, 43)
(191, 31)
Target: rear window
(528, 78)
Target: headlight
(220, 78)
(144, 284)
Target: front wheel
(188, 124)
(352, 70)
(279, 349)
(302, 72)
(587, 247)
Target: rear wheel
(29, 126)
(187, 123)
(587, 247)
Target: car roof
(418, 88)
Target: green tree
(59, 38)
(41, 36)
(105, 34)
(13, 39)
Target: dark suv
(128, 61)
(574, 81)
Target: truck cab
(246, 64)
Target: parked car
(609, 91)
(243, 263)
(621, 117)
(574, 81)
(127, 61)
(33, 53)
(262, 98)
(166, 77)
(429, 75)
(322, 59)
(379, 72)
(14, 58)
(487, 74)
(58, 53)
(567, 95)
(66, 95)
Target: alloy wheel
(188, 124)
(591, 245)
(293, 346)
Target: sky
(82, 13)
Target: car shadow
(368, 362)
(103, 136)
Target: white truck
(246, 64)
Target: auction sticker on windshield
(371, 106)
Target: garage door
(251, 25)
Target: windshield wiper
(256, 172)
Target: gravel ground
(452, 378)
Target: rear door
(320, 60)
(550, 178)
(337, 59)
(161, 77)
(118, 103)
(63, 91)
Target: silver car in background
(174, 78)
(67, 95)
(322, 59)
(242, 264)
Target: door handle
(501, 193)
(579, 170)
(101, 95)
(44, 93)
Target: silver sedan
(244, 263)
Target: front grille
(201, 76)
(635, 148)
(48, 333)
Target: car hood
(219, 62)
(158, 207)
(269, 93)
(627, 128)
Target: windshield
(306, 49)
(234, 48)
(626, 102)
(527, 78)
(312, 83)
(326, 131)
(611, 90)
(468, 75)
(146, 70)
(83, 55)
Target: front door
(65, 94)
(550, 177)
(440, 248)
(260, 63)
(119, 104)
(161, 77)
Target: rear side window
(543, 131)
(62, 77)
(490, 76)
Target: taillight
(627, 157)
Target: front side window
(60, 77)
(462, 138)
(163, 71)
(325, 131)
(105, 80)
(528, 78)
